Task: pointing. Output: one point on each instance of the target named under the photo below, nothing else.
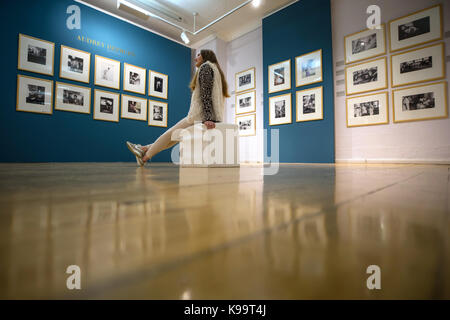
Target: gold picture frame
(287, 109)
(152, 92)
(319, 116)
(21, 105)
(442, 98)
(427, 73)
(58, 84)
(286, 77)
(370, 56)
(23, 57)
(115, 116)
(150, 114)
(374, 123)
(112, 77)
(237, 96)
(127, 115)
(252, 116)
(320, 78)
(413, 44)
(126, 85)
(252, 85)
(381, 87)
(74, 77)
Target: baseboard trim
(395, 161)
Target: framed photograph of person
(245, 80)
(365, 44)
(416, 28)
(75, 64)
(308, 68)
(246, 102)
(280, 110)
(366, 76)
(422, 102)
(34, 95)
(309, 104)
(157, 113)
(158, 84)
(134, 108)
(418, 65)
(106, 105)
(107, 72)
(367, 110)
(246, 125)
(280, 76)
(134, 78)
(73, 98)
(35, 55)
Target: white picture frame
(106, 105)
(72, 98)
(134, 108)
(423, 102)
(246, 125)
(157, 113)
(158, 84)
(309, 104)
(245, 80)
(419, 27)
(418, 65)
(280, 109)
(308, 68)
(34, 95)
(35, 55)
(75, 64)
(107, 72)
(134, 79)
(246, 102)
(367, 110)
(366, 76)
(280, 76)
(365, 44)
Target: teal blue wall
(66, 136)
(302, 27)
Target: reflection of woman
(209, 88)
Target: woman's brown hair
(209, 55)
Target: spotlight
(256, 3)
(185, 38)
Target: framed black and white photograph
(416, 28)
(134, 108)
(280, 76)
(246, 102)
(365, 44)
(75, 64)
(246, 125)
(36, 55)
(106, 106)
(367, 76)
(308, 68)
(423, 102)
(367, 110)
(73, 98)
(245, 80)
(134, 78)
(34, 95)
(418, 65)
(280, 109)
(157, 113)
(107, 72)
(158, 84)
(309, 104)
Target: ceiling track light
(142, 13)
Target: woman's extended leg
(164, 141)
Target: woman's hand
(209, 124)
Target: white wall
(420, 141)
(241, 54)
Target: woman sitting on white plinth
(209, 90)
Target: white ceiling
(231, 27)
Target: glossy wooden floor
(161, 232)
